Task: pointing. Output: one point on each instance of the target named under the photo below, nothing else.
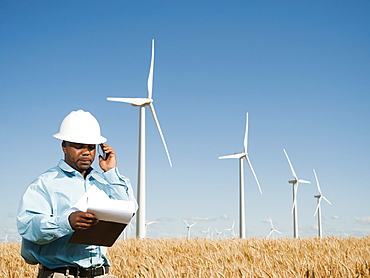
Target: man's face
(79, 156)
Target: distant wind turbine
(189, 226)
(273, 230)
(127, 230)
(147, 224)
(295, 183)
(232, 234)
(218, 234)
(6, 238)
(240, 156)
(142, 103)
(207, 233)
(318, 208)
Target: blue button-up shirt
(43, 215)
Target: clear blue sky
(299, 68)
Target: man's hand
(80, 220)
(111, 161)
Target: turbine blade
(294, 203)
(317, 182)
(272, 226)
(291, 166)
(318, 205)
(295, 188)
(236, 155)
(185, 222)
(246, 135)
(270, 233)
(150, 76)
(277, 231)
(160, 131)
(326, 200)
(303, 181)
(133, 101)
(254, 174)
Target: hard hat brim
(80, 140)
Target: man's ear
(64, 147)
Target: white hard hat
(80, 127)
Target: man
(44, 219)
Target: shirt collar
(66, 168)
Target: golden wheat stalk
(311, 257)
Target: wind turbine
(295, 183)
(218, 234)
(6, 238)
(147, 224)
(142, 103)
(206, 233)
(189, 226)
(127, 230)
(318, 208)
(240, 156)
(232, 234)
(272, 230)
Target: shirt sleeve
(120, 186)
(36, 221)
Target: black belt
(80, 271)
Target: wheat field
(253, 257)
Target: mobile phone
(101, 152)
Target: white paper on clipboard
(98, 202)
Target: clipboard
(113, 215)
(104, 233)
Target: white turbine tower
(240, 156)
(318, 208)
(142, 103)
(189, 226)
(295, 183)
(273, 230)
